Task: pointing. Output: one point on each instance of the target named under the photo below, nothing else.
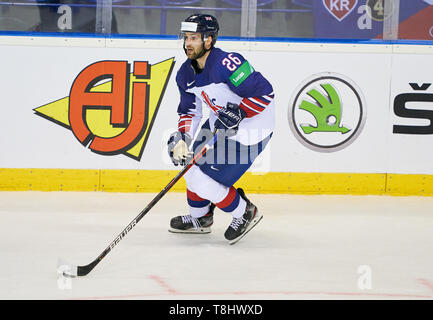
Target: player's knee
(205, 187)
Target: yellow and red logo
(111, 109)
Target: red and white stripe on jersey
(184, 123)
(255, 105)
(209, 102)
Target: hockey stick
(74, 271)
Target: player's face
(193, 44)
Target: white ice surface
(306, 247)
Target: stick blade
(66, 269)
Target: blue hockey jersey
(227, 77)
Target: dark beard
(197, 55)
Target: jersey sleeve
(256, 91)
(189, 111)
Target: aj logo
(110, 109)
(340, 9)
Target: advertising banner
(416, 20)
(411, 114)
(364, 19)
(87, 108)
(348, 19)
(337, 111)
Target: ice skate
(241, 226)
(189, 224)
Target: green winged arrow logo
(327, 111)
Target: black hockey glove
(229, 119)
(178, 145)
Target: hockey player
(240, 102)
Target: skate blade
(191, 231)
(255, 221)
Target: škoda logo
(340, 9)
(327, 112)
(110, 109)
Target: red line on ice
(163, 284)
(426, 283)
(243, 293)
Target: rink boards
(95, 114)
